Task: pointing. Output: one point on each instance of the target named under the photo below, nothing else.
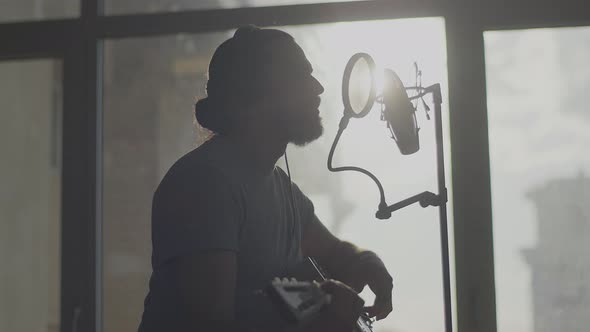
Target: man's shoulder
(197, 167)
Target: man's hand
(371, 271)
(353, 266)
(343, 311)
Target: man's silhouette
(226, 220)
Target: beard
(305, 129)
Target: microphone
(396, 107)
(399, 113)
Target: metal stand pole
(442, 208)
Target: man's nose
(317, 86)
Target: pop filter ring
(348, 111)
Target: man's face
(295, 95)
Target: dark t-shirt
(212, 198)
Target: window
(150, 87)
(538, 127)
(25, 10)
(30, 203)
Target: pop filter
(359, 93)
(359, 88)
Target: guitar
(301, 300)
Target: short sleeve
(195, 209)
(303, 205)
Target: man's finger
(332, 286)
(328, 285)
(380, 309)
(384, 313)
(371, 311)
(377, 313)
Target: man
(226, 220)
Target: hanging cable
(292, 233)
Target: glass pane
(140, 6)
(539, 129)
(30, 195)
(150, 87)
(26, 10)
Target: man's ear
(256, 114)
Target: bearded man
(226, 219)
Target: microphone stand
(425, 198)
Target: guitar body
(300, 299)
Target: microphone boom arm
(425, 198)
(343, 124)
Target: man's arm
(207, 282)
(352, 265)
(338, 257)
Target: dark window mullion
(78, 205)
(472, 220)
